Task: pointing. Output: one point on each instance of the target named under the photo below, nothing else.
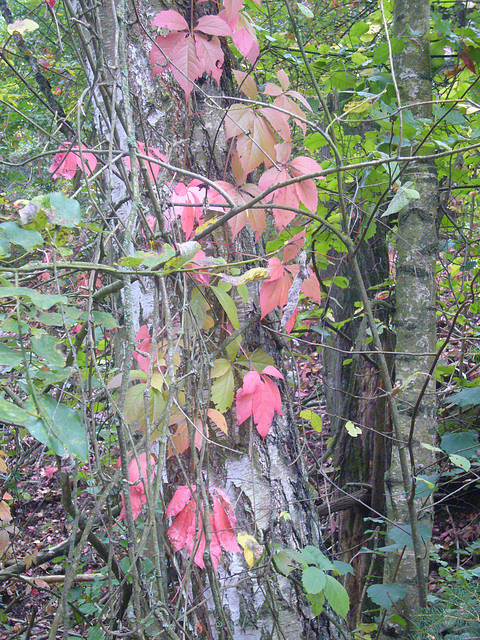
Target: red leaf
(254, 217)
(213, 26)
(224, 521)
(66, 163)
(51, 3)
(182, 533)
(468, 61)
(137, 476)
(274, 291)
(188, 54)
(191, 194)
(170, 20)
(153, 169)
(260, 398)
(271, 371)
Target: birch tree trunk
(263, 478)
(415, 317)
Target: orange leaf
(219, 419)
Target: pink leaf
(224, 520)
(152, 169)
(181, 498)
(265, 404)
(232, 8)
(190, 194)
(183, 532)
(213, 26)
(274, 291)
(66, 163)
(244, 406)
(170, 20)
(137, 475)
(272, 371)
(210, 53)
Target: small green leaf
(283, 563)
(187, 251)
(337, 596)
(41, 300)
(307, 12)
(60, 429)
(400, 200)
(104, 319)
(403, 536)
(460, 461)
(314, 419)
(316, 600)
(222, 391)
(386, 595)
(228, 306)
(352, 430)
(11, 414)
(313, 580)
(342, 568)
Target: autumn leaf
(186, 531)
(255, 218)
(137, 476)
(67, 162)
(218, 419)
(260, 398)
(304, 192)
(188, 54)
(252, 550)
(284, 99)
(153, 169)
(191, 194)
(180, 440)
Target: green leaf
(316, 600)
(65, 212)
(11, 414)
(385, 595)
(187, 251)
(61, 429)
(313, 580)
(104, 319)
(14, 233)
(9, 357)
(45, 346)
(307, 12)
(314, 419)
(312, 555)
(228, 306)
(463, 442)
(41, 300)
(460, 461)
(400, 200)
(337, 596)
(283, 563)
(403, 536)
(342, 568)
(222, 391)
(258, 360)
(352, 430)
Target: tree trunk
(415, 317)
(263, 478)
(354, 393)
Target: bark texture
(415, 317)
